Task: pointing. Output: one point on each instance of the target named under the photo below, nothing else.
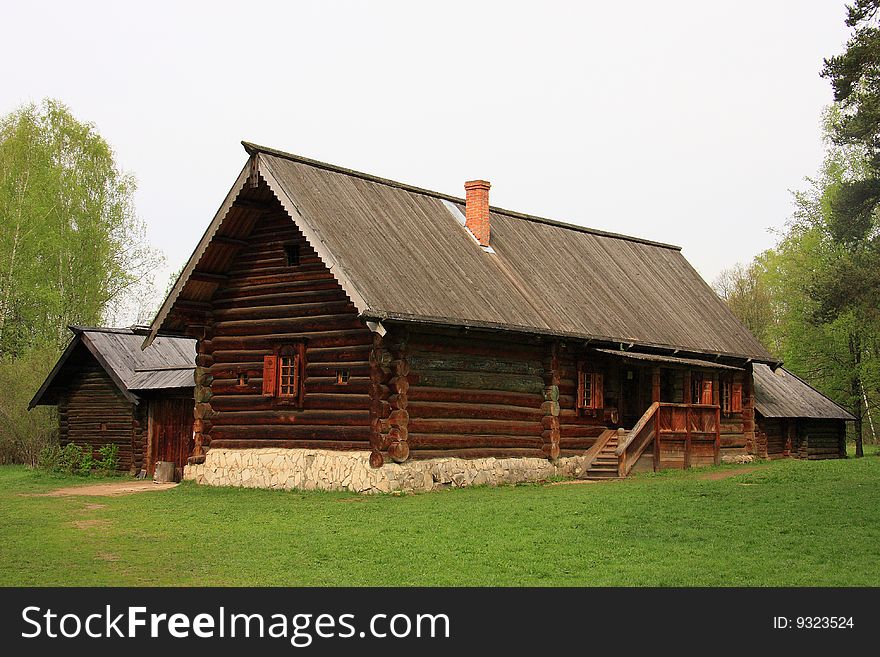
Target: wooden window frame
(596, 402)
(273, 376)
(731, 396)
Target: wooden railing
(631, 448)
(687, 424)
(591, 454)
(666, 423)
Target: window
(731, 397)
(287, 376)
(283, 374)
(591, 397)
(342, 377)
(701, 389)
(291, 251)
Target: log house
(337, 311)
(108, 390)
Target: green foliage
(805, 523)
(71, 459)
(72, 252)
(72, 245)
(75, 460)
(50, 458)
(823, 286)
(746, 292)
(24, 433)
(109, 461)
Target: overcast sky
(684, 122)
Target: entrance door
(170, 432)
(630, 397)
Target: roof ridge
(252, 148)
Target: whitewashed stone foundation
(319, 469)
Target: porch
(692, 412)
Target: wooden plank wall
(90, 401)
(264, 304)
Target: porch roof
(669, 360)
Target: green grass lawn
(791, 523)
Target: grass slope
(791, 523)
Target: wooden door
(170, 432)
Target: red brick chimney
(477, 209)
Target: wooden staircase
(604, 465)
(615, 452)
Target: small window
(288, 376)
(342, 376)
(242, 379)
(291, 251)
(283, 374)
(591, 396)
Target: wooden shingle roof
(167, 363)
(782, 394)
(402, 254)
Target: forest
(813, 298)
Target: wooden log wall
(94, 413)
(733, 439)
(578, 431)
(822, 439)
(475, 396)
(263, 304)
(772, 432)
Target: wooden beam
(247, 204)
(231, 241)
(208, 277)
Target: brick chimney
(477, 209)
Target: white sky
(684, 122)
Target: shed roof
(401, 253)
(167, 363)
(782, 394)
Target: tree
(817, 291)
(73, 247)
(745, 291)
(853, 282)
(73, 251)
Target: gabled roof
(401, 253)
(782, 394)
(168, 363)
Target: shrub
(49, 458)
(109, 459)
(70, 459)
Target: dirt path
(108, 490)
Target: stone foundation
(318, 469)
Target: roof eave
(384, 316)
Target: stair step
(594, 469)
